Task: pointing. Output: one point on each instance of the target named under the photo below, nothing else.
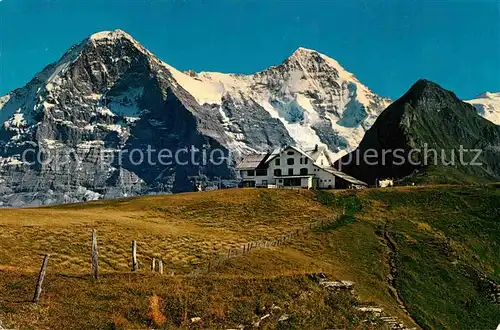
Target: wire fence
(302, 232)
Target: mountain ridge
(110, 94)
(425, 119)
(214, 85)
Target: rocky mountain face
(428, 126)
(313, 98)
(81, 129)
(488, 106)
(63, 133)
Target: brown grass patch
(155, 310)
(423, 226)
(185, 230)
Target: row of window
(277, 172)
(291, 161)
(258, 172)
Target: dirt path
(391, 278)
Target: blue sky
(387, 44)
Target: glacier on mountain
(488, 106)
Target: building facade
(294, 168)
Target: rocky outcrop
(427, 127)
(84, 115)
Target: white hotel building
(295, 168)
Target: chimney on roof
(316, 147)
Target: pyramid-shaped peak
(112, 34)
(302, 52)
(423, 84)
(306, 57)
(424, 87)
(100, 40)
(426, 95)
(308, 52)
(305, 50)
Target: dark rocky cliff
(427, 117)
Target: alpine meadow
(218, 165)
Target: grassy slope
(444, 175)
(431, 229)
(185, 229)
(445, 241)
(119, 301)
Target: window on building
(251, 173)
(277, 172)
(290, 171)
(306, 160)
(277, 162)
(301, 160)
(322, 162)
(261, 172)
(303, 171)
(290, 153)
(290, 161)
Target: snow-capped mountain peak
(311, 59)
(110, 93)
(311, 94)
(488, 106)
(112, 34)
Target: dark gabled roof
(344, 176)
(252, 161)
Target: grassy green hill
(429, 256)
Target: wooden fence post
(41, 276)
(135, 266)
(153, 264)
(95, 256)
(160, 266)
